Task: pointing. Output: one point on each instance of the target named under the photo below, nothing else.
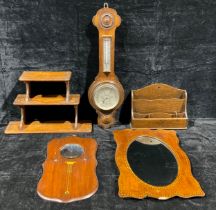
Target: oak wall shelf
(43, 76)
(74, 99)
(39, 100)
(52, 127)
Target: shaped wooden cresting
(106, 93)
(69, 172)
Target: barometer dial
(106, 96)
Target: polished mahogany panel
(69, 171)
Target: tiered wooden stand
(24, 100)
(159, 106)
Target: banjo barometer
(106, 93)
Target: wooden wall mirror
(69, 171)
(71, 151)
(152, 164)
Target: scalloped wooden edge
(52, 152)
(184, 186)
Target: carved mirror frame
(184, 185)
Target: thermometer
(106, 54)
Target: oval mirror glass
(71, 151)
(152, 161)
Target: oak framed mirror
(152, 164)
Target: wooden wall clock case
(106, 93)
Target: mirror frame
(184, 185)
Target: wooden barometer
(106, 93)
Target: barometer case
(106, 93)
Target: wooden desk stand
(159, 106)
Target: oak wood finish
(158, 115)
(106, 118)
(159, 106)
(64, 179)
(158, 90)
(185, 185)
(23, 117)
(74, 99)
(18, 127)
(45, 76)
(23, 100)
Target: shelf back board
(158, 91)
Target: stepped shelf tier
(39, 100)
(44, 76)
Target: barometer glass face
(106, 96)
(152, 161)
(107, 54)
(71, 151)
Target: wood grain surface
(159, 106)
(74, 99)
(106, 118)
(185, 185)
(66, 180)
(158, 91)
(46, 76)
(48, 127)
